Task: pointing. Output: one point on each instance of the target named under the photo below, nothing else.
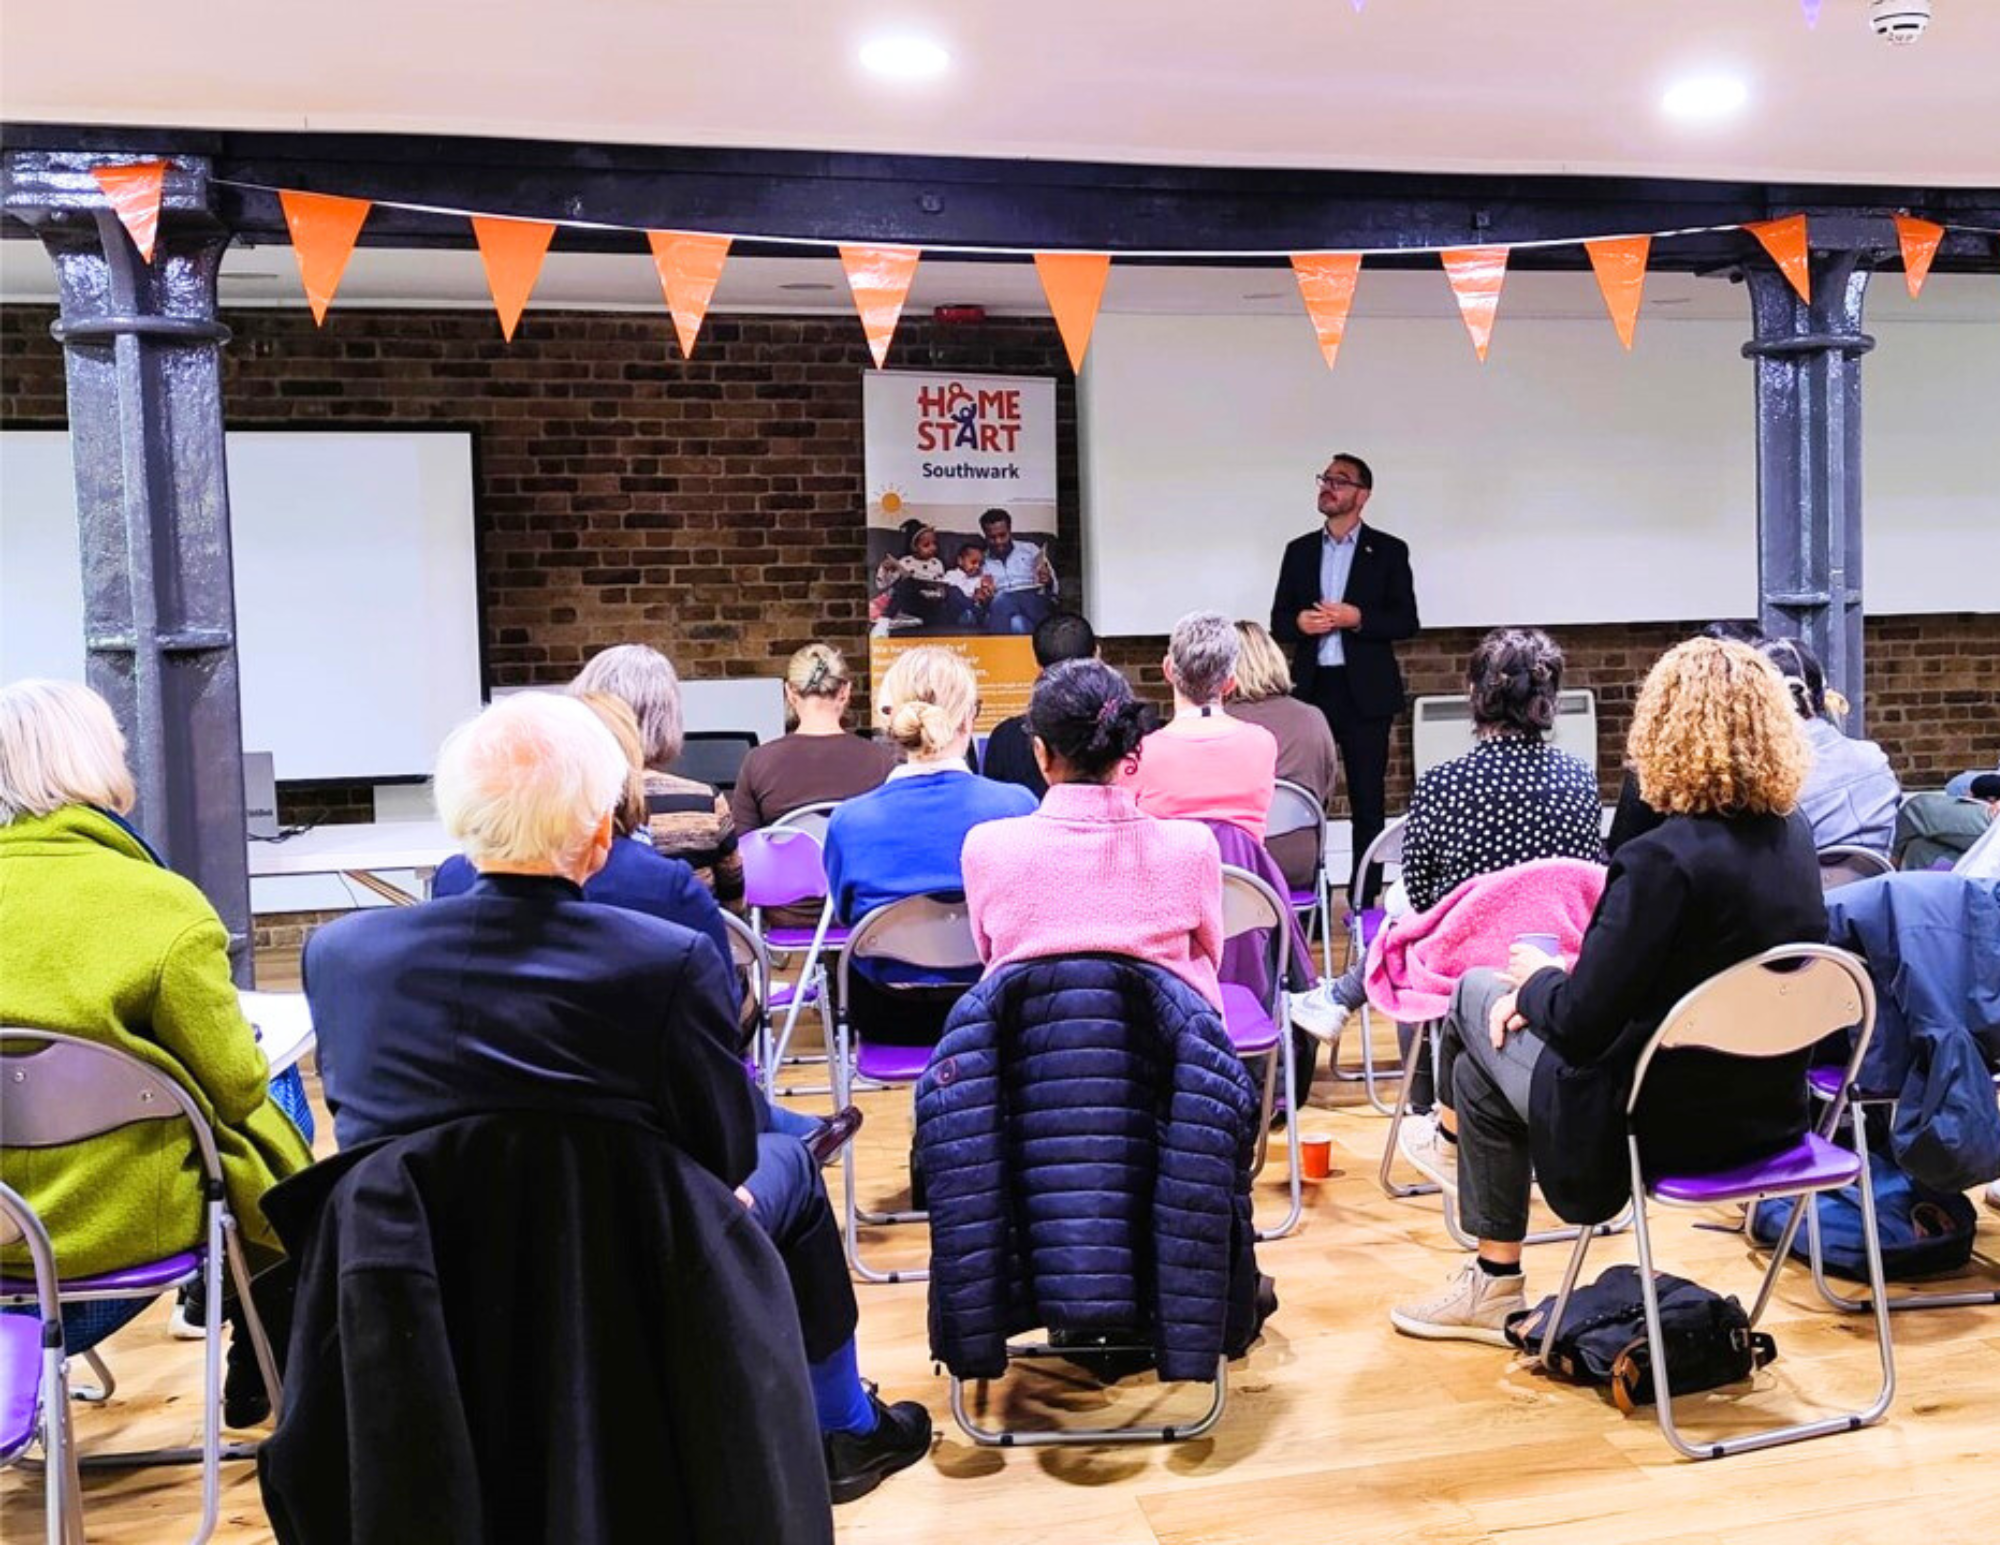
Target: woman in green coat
(98, 940)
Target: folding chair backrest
(747, 950)
(807, 818)
(1249, 905)
(1844, 863)
(933, 933)
(18, 1223)
(1773, 1004)
(1293, 809)
(1387, 848)
(782, 865)
(71, 1089)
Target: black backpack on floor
(1603, 1337)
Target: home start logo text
(955, 417)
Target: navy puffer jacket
(1086, 1131)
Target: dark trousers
(1489, 1088)
(792, 1209)
(1364, 762)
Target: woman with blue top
(905, 838)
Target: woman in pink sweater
(1089, 873)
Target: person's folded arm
(1393, 617)
(198, 1018)
(1631, 934)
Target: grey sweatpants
(1489, 1090)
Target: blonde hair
(624, 726)
(1713, 733)
(1261, 671)
(645, 679)
(818, 670)
(927, 699)
(527, 782)
(59, 745)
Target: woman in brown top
(818, 760)
(685, 819)
(1306, 754)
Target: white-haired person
(99, 939)
(906, 837)
(518, 994)
(1202, 764)
(685, 818)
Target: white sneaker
(1472, 1307)
(1318, 1014)
(1424, 1147)
(181, 1328)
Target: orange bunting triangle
(880, 279)
(1785, 240)
(690, 267)
(1476, 274)
(1620, 264)
(324, 229)
(1920, 240)
(134, 195)
(1074, 284)
(513, 251)
(1326, 283)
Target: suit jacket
(1686, 900)
(520, 995)
(1379, 584)
(537, 1328)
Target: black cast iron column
(142, 348)
(1808, 360)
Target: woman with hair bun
(1851, 795)
(815, 761)
(904, 838)
(1088, 872)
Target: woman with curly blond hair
(1538, 1059)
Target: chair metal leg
(1570, 1275)
(1002, 1437)
(260, 1344)
(853, 1215)
(1282, 1054)
(1390, 1186)
(104, 1389)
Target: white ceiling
(1530, 86)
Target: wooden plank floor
(1337, 1428)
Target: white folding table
(362, 852)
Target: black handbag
(1603, 1340)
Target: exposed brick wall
(714, 508)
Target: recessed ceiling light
(805, 285)
(905, 58)
(1701, 97)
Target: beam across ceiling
(772, 199)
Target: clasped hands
(1523, 961)
(1325, 616)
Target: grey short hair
(59, 745)
(1203, 650)
(644, 678)
(529, 781)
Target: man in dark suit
(519, 995)
(1345, 596)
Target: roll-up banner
(962, 532)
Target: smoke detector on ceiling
(1899, 22)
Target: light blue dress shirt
(1336, 561)
(1016, 571)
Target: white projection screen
(356, 590)
(1563, 481)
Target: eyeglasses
(1335, 484)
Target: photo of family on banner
(962, 522)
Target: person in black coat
(520, 995)
(1345, 598)
(1538, 1060)
(1009, 757)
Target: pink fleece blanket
(1417, 960)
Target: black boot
(245, 1401)
(858, 1462)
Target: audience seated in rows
(1009, 757)
(519, 995)
(1087, 873)
(905, 838)
(1510, 800)
(1203, 764)
(685, 818)
(1941, 829)
(102, 941)
(1851, 795)
(816, 761)
(1306, 756)
(1538, 1061)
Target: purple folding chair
(1772, 1005)
(1363, 924)
(34, 1384)
(1257, 1023)
(784, 866)
(58, 1089)
(1293, 809)
(932, 933)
